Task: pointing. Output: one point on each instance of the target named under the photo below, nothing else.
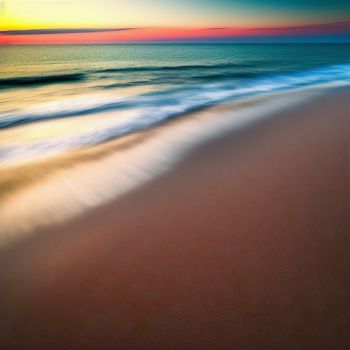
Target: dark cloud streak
(345, 25)
(62, 31)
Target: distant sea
(139, 86)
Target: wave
(176, 80)
(63, 109)
(147, 110)
(28, 81)
(226, 75)
(40, 80)
(177, 68)
(203, 94)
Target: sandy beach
(242, 245)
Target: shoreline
(84, 179)
(243, 244)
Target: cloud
(62, 31)
(342, 26)
(217, 28)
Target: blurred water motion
(80, 124)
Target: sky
(100, 21)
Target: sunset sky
(92, 21)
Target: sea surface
(81, 125)
(54, 99)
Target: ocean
(84, 124)
(107, 91)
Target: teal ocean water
(54, 99)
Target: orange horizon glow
(139, 35)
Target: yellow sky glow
(37, 14)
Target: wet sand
(243, 245)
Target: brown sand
(244, 245)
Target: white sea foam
(145, 110)
(67, 193)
